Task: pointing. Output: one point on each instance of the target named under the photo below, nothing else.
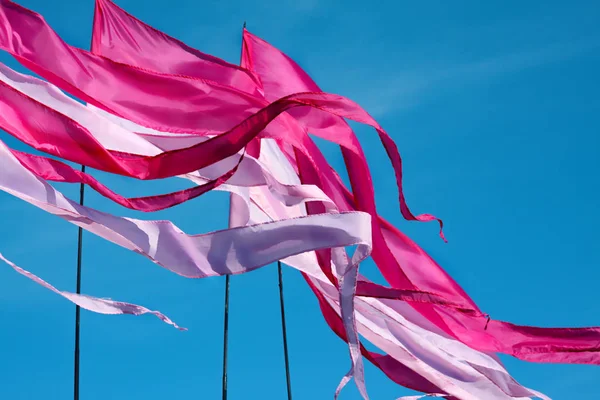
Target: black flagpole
(283, 326)
(78, 291)
(225, 336)
(284, 333)
(283, 330)
(226, 322)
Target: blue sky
(495, 109)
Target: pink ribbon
(178, 104)
(95, 304)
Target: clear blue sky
(496, 111)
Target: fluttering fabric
(109, 131)
(180, 112)
(278, 81)
(389, 325)
(112, 47)
(231, 251)
(23, 178)
(280, 76)
(50, 169)
(179, 103)
(95, 304)
(113, 135)
(37, 193)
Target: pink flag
(411, 255)
(95, 304)
(114, 133)
(232, 251)
(280, 75)
(220, 251)
(405, 334)
(57, 171)
(310, 153)
(117, 36)
(122, 38)
(105, 223)
(583, 339)
(97, 76)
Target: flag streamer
(244, 129)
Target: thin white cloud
(410, 88)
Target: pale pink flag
(113, 132)
(173, 103)
(222, 252)
(95, 304)
(126, 140)
(399, 327)
(280, 76)
(96, 222)
(314, 264)
(121, 47)
(195, 256)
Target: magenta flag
(121, 37)
(397, 248)
(57, 171)
(231, 251)
(125, 39)
(179, 104)
(420, 356)
(243, 114)
(279, 73)
(114, 133)
(206, 254)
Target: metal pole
(284, 333)
(283, 330)
(78, 291)
(225, 337)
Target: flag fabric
(279, 73)
(231, 251)
(94, 304)
(126, 140)
(244, 129)
(114, 133)
(122, 38)
(101, 224)
(408, 254)
(379, 324)
(117, 36)
(280, 77)
(85, 75)
(178, 103)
